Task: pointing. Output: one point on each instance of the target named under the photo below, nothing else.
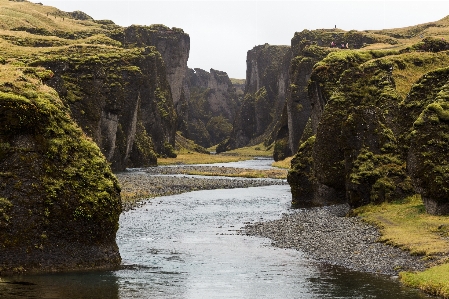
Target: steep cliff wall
(121, 98)
(428, 157)
(174, 46)
(211, 104)
(308, 48)
(59, 201)
(265, 92)
(371, 128)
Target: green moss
(281, 149)
(433, 281)
(162, 102)
(65, 171)
(5, 206)
(301, 175)
(441, 110)
(430, 44)
(143, 154)
(429, 143)
(169, 151)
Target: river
(187, 246)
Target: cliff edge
(59, 201)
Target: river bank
(325, 234)
(160, 181)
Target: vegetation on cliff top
(55, 181)
(92, 67)
(382, 135)
(405, 224)
(56, 185)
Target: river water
(187, 246)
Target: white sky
(221, 32)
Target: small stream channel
(187, 246)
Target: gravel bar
(161, 185)
(325, 234)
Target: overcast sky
(221, 32)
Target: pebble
(161, 181)
(326, 234)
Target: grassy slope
(57, 31)
(29, 31)
(405, 224)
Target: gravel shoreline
(151, 183)
(325, 234)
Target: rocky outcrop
(210, 101)
(304, 101)
(59, 201)
(122, 84)
(77, 99)
(428, 157)
(121, 98)
(258, 119)
(376, 136)
(174, 46)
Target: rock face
(304, 101)
(211, 102)
(372, 134)
(174, 46)
(266, 86)
(120, 98)
(73, 104)
(122, 85)
(428, 158)
(59, 201)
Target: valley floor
(326, 234)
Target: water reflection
(338, 282)
(95, 285)
(186, 246)
(188, 249)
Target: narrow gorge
(363, 115)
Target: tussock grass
(258, 150)
(197, 158)
(29, 15)
(286, 163)
(406, 225)
(245, 173)
(413, 66)
(382, 46)
(434, 281)
(185, 156)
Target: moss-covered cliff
(59, 201)
(174, 46)
(428, 157)
(210, 106)
(73, 94)
(118, 82)
(258, 118)
(119, 97)
(377, 119)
